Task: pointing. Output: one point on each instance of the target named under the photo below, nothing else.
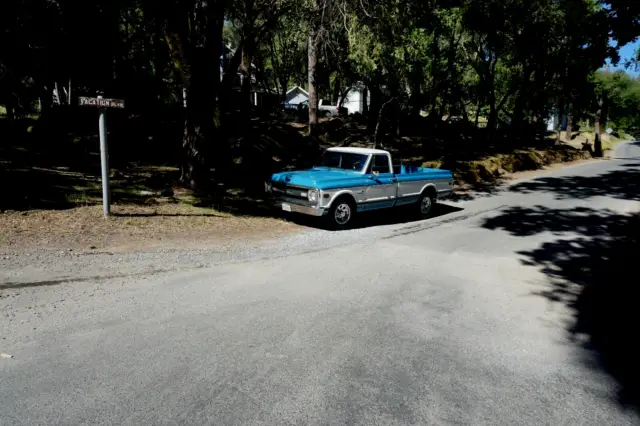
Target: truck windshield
(342, 160)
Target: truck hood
(319, 177)
(326, 179)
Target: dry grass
(133, 227)
(58, 206)
(609, 142)
(493, 167)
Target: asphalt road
(445, 321)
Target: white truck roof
(364, 151)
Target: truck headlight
(312, 194)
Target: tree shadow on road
(469, 192)
(622, 183)
(590, 266)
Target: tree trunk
(253, 38)
(245, 69)
(343, 96)
(518, 125)
(197, 64)
(463, 111)
(313, 89)
(214, 53)
(336, 90)
(533, 128)
(365, 104)
(376, 102)
(46, 102)
(376, 134)
(599, 124)
(193, 172)
(569, 132)
(452, 76)
(517, 121)
(559, 123)
(415, 99)
(492, 120)
(597, 143)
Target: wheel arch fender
(345, 193)
(430, 188)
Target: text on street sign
(101, 103)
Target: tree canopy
(501, 65)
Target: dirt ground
(134, 228)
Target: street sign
(100, 102)
(103, 104)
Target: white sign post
(104, 161)
(103, 104)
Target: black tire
(341, 213)
(426, 203)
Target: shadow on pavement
(591, 268)
(401, 215)
(66, 280)
(393, 216)
(622, 183)
(478, 190)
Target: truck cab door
(382, 190)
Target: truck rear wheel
(425, 205)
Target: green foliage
(284, 51)
(499, 64)
(623, 99)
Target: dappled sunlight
(620, 183)
(590, 266)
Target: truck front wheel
(341, 213)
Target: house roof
(365, 151)
(299, 88)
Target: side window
(380, 164)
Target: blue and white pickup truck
(349, 180)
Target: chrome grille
(289, 191)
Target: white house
(354, 99)
(295, 96)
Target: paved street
(447, 321)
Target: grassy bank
(490, 168)
(587, 135)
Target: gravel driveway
(443, 321)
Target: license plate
(286, 207)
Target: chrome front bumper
(287, 206)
